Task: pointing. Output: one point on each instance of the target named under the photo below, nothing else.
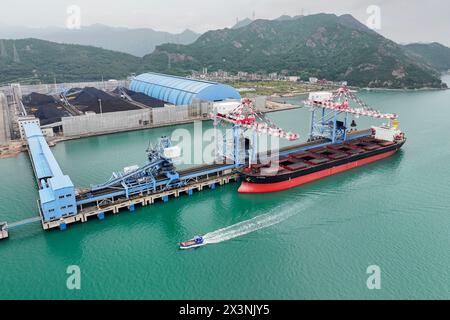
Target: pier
(100, 210)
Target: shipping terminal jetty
(332, 144)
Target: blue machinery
(325, 124)
(158, 175)
(232, 146)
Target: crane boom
(340, 101)
(246, 116)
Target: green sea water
(312, 242)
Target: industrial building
(182, 91)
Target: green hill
(435, 54)
(36, 61)
(323, 45)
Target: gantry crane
(245, 118)
(328, 125)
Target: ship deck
(317, 157)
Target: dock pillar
(63, 226)
(213, 186)
(166, 199)
(101, 216)
(190, 192)
(131, 208)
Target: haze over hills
(323, 45)
(138, 42)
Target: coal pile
(44, 107)
(87, 100)
(143, 98)
(38, 99)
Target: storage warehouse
(181, 91)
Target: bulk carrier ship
(307, 166)
(333, 147)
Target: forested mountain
(322, 45)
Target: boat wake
(270, 219)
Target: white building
(48, 132)
(26, 120)
(313, 80)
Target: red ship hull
(292, 182)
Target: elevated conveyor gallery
(56, 190)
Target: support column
(254, 156)
(216, 137)
(313, 123)
(346, 126)
(334, 126)
(237, 146)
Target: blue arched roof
(181, 91)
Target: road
(4, 122)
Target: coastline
(443, 75)
(293, 95)
(12, 150)
(403, 90)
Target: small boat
(194, 243)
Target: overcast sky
(401, 20)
